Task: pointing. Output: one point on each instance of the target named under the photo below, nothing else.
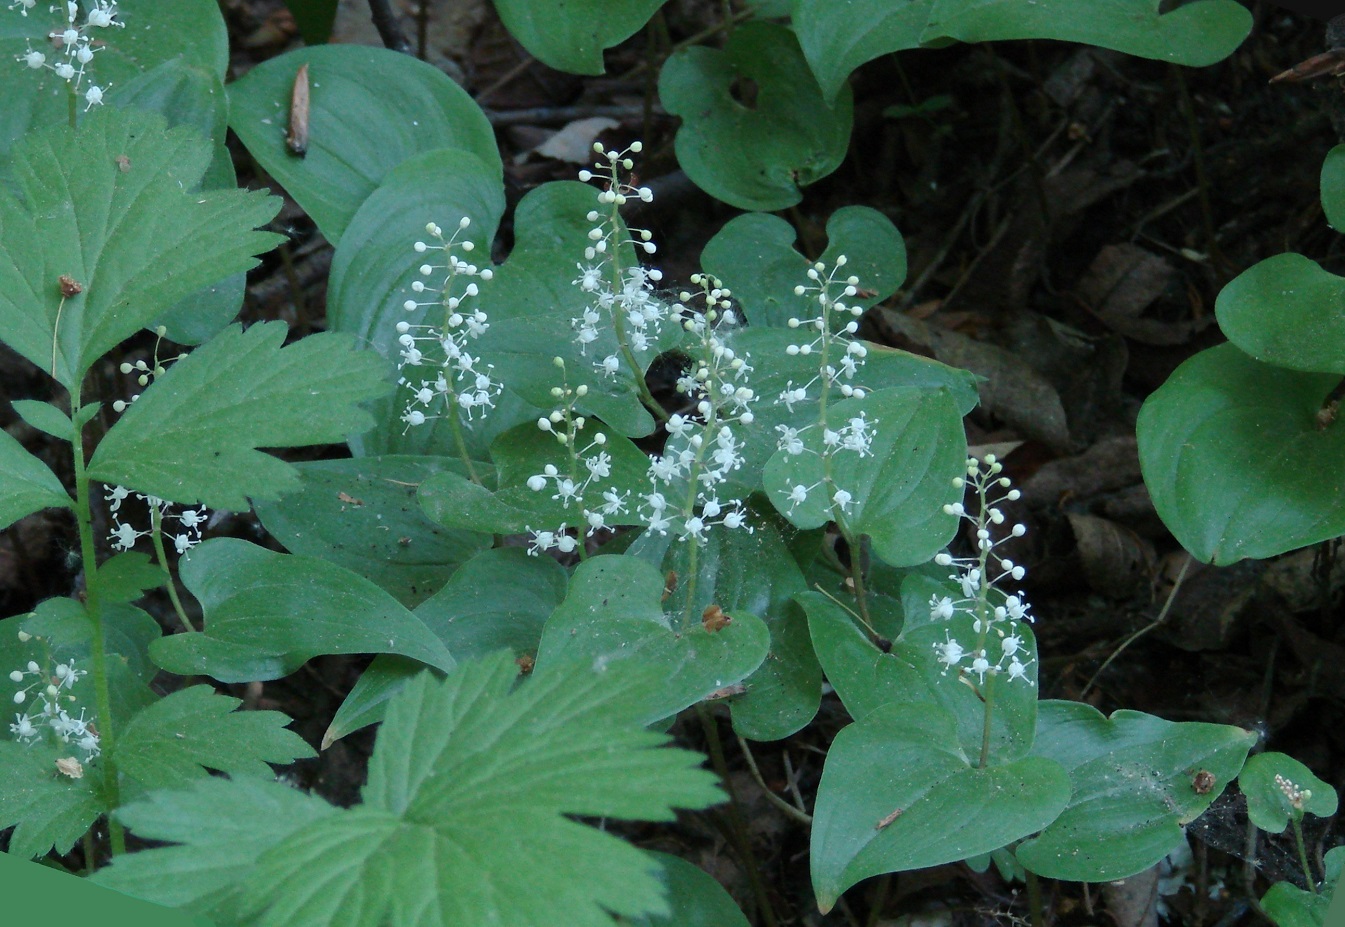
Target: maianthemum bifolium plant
(541, 594)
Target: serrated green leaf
(193, 435)
(899, 488)
(267, 613)
(897, 793)
(221, 842)
(51, 810)
(755, 156)
(136, 240)
(370, 109)
(177, 739)
(753, 255)
(613, 614)
(1236, 460)
(464, 815)
(496, 601)
(27, 485)
(571, 36)
(1285, 311)
(123, 577)
(1267, 806)
(372, 499)
(1134, 780)
(839, 35)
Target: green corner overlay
(36, 894)
(1335, 915)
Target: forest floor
(1070, 216)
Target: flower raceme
(996, 614)
(44, 689)
(440, 372)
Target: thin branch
(385, 21)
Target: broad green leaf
(456, 502)
(191, 31)
(1286, 311)
(27, 485)
(267, 613)
(897, 793)
(840, 35)
(755, 574)
(899, 488)
(314, 18)
(192, 96)
(496, 601)
(571, 36)
(51, 810)
(1333, 187)
(136, 240)
(362, 514)
(370, 109)
(753, 255)
(613, 615)
(464, 820)
(695, 898)
(221, 842)
(533, 300)
(376, 262)
(125, 576)
(867, 677)
(1267, 806)
(524, 452)
(1237, 461)
(1135, 786)
(754, 153)
(193, 434)
(1287, 905)
(774, 368)
(177, 739)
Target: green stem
(98, 648)
(989, 696)
(1035, 909)
(1296, 820)
(857, 573)
(455, 423)
(156, 537)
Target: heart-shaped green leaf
(1237, 460)
(755, 128)
(267, 613)
(613, 613)
(1136, 778)
(369, 110)
(867, 677)
(694, 896)
(897, 794)
(840, 35)
(1286, 311)
(571, 36)
(1268, 807)
(132, 241)
(754, 256)
(372, 499)
(899, 488)
(193, 434)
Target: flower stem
(97, 645)
(455, 423)
(1297, 821)
(156, 536)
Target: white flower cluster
(623, 296)
(49, 688)
(73, 42)
(995, 613)
(124, 535)
(581, 476)
(839, 357)
(434, 359)
(687, 478)
(1296, 796)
